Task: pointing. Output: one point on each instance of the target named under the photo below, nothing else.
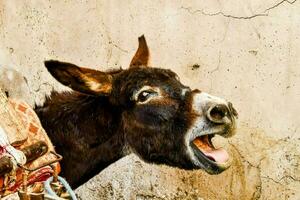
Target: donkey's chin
(206, 156)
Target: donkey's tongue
(219, 155)
(205, 146)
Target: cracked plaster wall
(246, 51)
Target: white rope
(18, 155)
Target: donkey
(143, 110)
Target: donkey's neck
(85, 130)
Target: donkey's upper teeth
(203, 143)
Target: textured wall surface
(247, 51)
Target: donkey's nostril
(218, 113)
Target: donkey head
(162, 120)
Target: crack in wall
(111, 44)
(289, 177)
(121, 49)
(189, 9)
(46, 84)
(258, 188)
(263, 14)
(218, 65)
(279, 3)
(271, 179)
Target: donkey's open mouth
(205, 145)
(214, 160)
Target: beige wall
(248, 52)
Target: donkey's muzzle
(221, 113)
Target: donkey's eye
(144, 95)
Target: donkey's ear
(141, 56)
(80, 79)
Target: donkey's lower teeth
(204, 144)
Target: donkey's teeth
(203, 143)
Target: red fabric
(36, 176)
